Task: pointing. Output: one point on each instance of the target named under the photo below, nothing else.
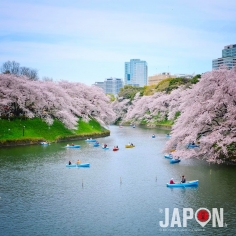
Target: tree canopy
(204, 112)
(129, 92)
(12, 67)
(65, 101)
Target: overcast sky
(89, 40)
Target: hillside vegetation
(166, 85)
(37, 129)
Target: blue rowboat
(153, 136)
(105, 148)
(83, 165)
(70, 146)
(168, 156)
(192, 146)
(173, 161)
(96, 144)
(90, 140)
(78, 165)
(191, 183)
(168, 136)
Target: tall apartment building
(136, 73)
(110, 85)
(113, 85)
(228, 57)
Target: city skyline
(88, 41)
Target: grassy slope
(38, 129)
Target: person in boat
(172, 181)
(72, 144)
(183, 180)
(78, 162)
(193, 143)
(105, 145)
(69, 162)
(116, 146)
(67, 145)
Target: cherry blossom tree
(50, 100)
(155, 108)
(208, 115)
(120, 107)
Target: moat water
(122, 193)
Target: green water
(122, 193)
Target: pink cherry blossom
(50, 100)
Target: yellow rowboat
(129, 146)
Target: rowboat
(187, 184)
(115, 149)
(72, 146)
(168, 156)
(96, 144)
(153, 136)
(192, 146)
(44, 143)
(173, 161)
(168, 136)
(134, 126)
(105, 148)
(129, 146)
(78, 165)
(90, 140)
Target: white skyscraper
(110, 85)
(136, 73)
(113, 85)
(228, 57)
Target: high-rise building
(228, 57)
(111, 85)
(136, 73)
